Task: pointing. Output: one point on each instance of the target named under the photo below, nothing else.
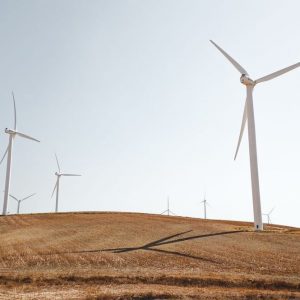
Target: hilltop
(143, 256)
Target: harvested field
(142, 256)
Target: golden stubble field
(143, 256)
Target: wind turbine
(268, 215)
(12, 134)
(168, 211)
(20, 200)
(56, 187)
(205, 203)
(249, 116)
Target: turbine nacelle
(9, 131)
(57, 174)
(246, 80)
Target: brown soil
(142, 256)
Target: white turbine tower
(20, 200)
(56, 187)
(12, 134)
(249, 116)
(268, 215)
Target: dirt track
(111, 255)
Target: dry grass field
(141, 256)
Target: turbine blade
(13, 197)
(4, 155)
(54, 187)
(28, 197)
(57, 162)
(278, 73)
(271, 210)
(235, 63)
(15, 112)
(242, 129)
(65, 174)
(23, 135)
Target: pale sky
(132, 95)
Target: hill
(143, 256)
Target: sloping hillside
(111, 255)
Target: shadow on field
(164, 241)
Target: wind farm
(138, 185)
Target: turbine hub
(246, 80)
(57, 174)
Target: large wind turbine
(249, 116)
(56, 187)
(12, 134)
(20, 200)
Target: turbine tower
(249, 116)
(168, 211)
(12, 134)
(20, 200)
(56, 187)
(268, 215)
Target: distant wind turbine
(249, 116)
(20, 200)
(168, 211)
(205, 203)
(268, 215)
(56, 187)
(12, 134)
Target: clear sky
(132, 95)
